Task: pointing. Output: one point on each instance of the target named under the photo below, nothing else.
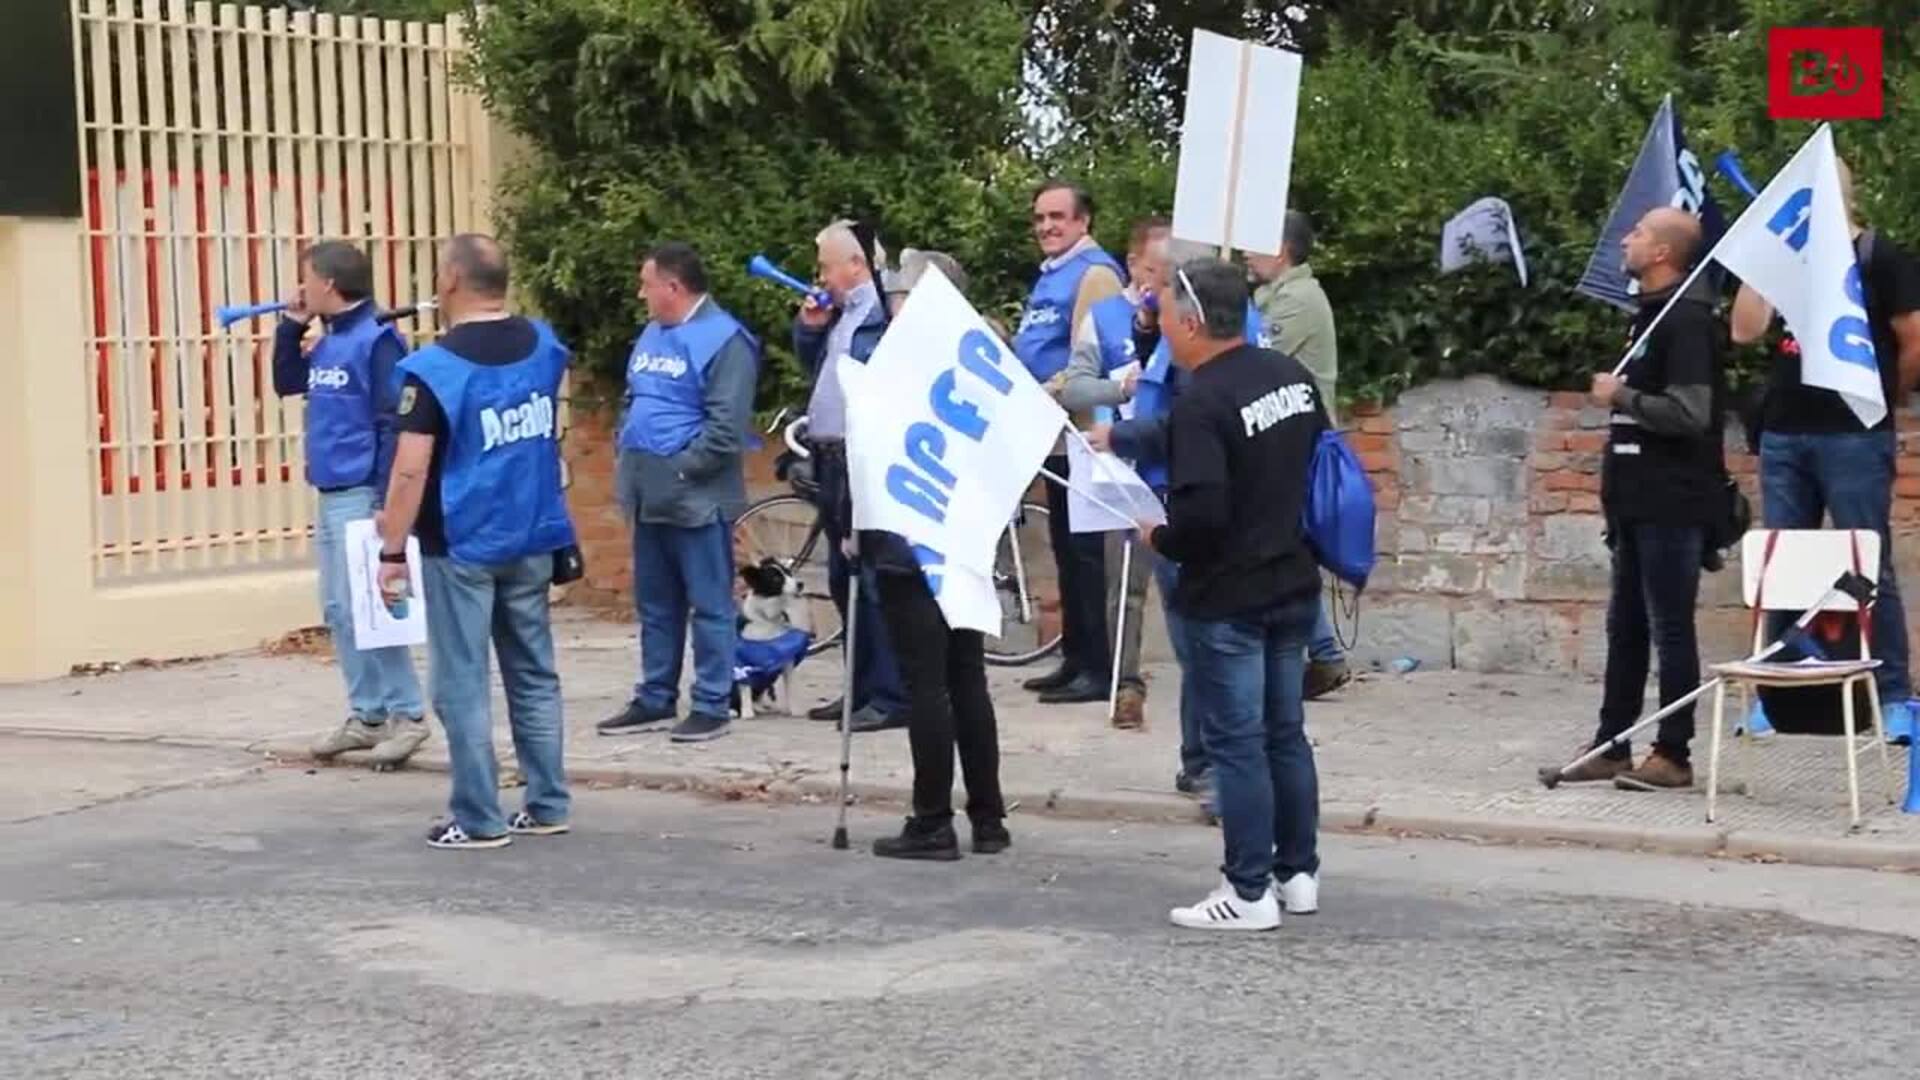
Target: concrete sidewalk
(1440, 753)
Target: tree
(743, 126)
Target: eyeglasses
(1187, 284)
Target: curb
(1352, 819)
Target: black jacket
(1665, 463)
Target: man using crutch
(1661, 490)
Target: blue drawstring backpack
(1338, 515)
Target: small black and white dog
(773, 639)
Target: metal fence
(216, 142)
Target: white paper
(946, 430)
(1230, 143)
(374, 626)
(1092, 476)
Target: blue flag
(1665, 174)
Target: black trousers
(1656, 583)
(948, 705)
(1082, 562)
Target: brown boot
(1130, 709)
(1657, 772)
(1597, 770)
(1324, 678)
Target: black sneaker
(1187, 783)
(991, 837)
(449, 836)
(698, 727)
(634, 719)
(826, 710)
(921, 839)
(1053, 680)
(528, 825)
(873, 719)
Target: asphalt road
(284, 924)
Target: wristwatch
(399, 557)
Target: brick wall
(1491, 556)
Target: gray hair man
(1242, 437)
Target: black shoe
(873, 718)
(1081, 688)
(991, 837)
(1053, 680)
(1187, 783)
(634, 719)
(921, 839)
(827, 710)
(699, 727)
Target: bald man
(1661, 487)
(1816, 460)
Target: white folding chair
(1794, 570)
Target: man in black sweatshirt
(1662, 486)
(1240, 442)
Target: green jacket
(1300, 323)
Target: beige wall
(52, 613)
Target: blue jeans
(1850, 478)
(679, 573)
(468, 607)
(1324, 647)
(1193, 746)
(1248, 674)
(876, 674)
(380, 682)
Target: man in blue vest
(1076, 275)
(690, 382)
(847, 253)
(1102, 373)
(351, 389)
(476, 478)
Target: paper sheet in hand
(1110, 481)
(374, 627)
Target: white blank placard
(1236, 144)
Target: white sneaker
(1300, 894)
(1223, 909)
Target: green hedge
(742, 126)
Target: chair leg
(1745, 738)
(1713, 753)
(1853, 760)
(1880, 737)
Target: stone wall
(1490, 533)
(1491, 537)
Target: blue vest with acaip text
(667, 381)
(342, 439)
(500, 492)
(1045, 339)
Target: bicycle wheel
(786, 528)
(1028, 583)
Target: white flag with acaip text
(1794, 246)
(945, 433)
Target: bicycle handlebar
(792, 432)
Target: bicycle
(1029, 601)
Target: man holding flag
(1827, 441)
(1660, 487)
